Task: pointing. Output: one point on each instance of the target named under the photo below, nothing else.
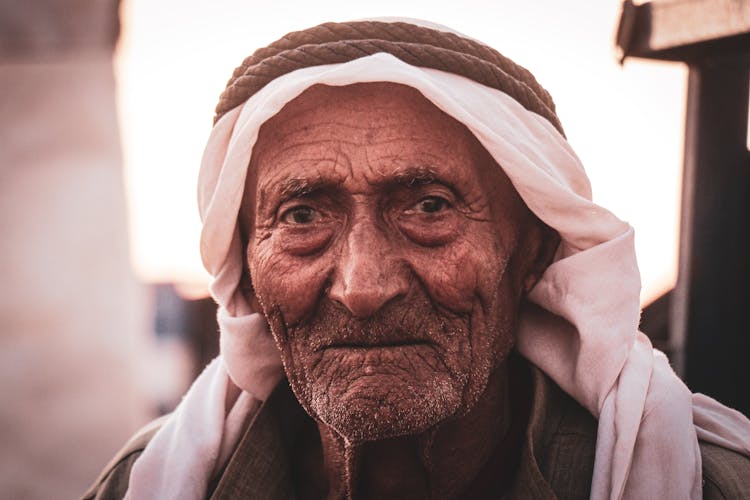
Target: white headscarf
(582, 329)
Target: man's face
(387, 251)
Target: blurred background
(104, 112)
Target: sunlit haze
(174, 59)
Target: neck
(462, 455)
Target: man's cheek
(293, 284)
(452, 278)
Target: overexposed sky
(626, 123)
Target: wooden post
(711, 315)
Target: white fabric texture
(579, 325)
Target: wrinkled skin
(389, 253)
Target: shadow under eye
(430, 229)
(304, 239)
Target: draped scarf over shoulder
(579, 324)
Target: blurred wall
(70, 309)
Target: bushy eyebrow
(302, 186)
(291, 188)
(408, 177)
(414, 176)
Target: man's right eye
(301, 214)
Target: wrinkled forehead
(381, 130)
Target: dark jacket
(557, 454)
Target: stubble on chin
(400, 372)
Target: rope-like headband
(333, 43)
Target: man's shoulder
(564, 449)
(567, 446)
(562, 434)
(112, 483)
(726, 474)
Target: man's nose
(369, 273)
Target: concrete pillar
(71, 317)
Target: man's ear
(246, 287)
(540, 243)
(246, 281)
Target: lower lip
(373, 359)
(375, 348)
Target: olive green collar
(556, 460)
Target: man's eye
(300, 215)
(432, 204)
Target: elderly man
(417, 297)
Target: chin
(386, 406)
(400, 372)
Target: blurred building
(184, 339)
(71, 312)
(703, 321)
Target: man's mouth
(375, 344)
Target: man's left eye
(432, 204)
